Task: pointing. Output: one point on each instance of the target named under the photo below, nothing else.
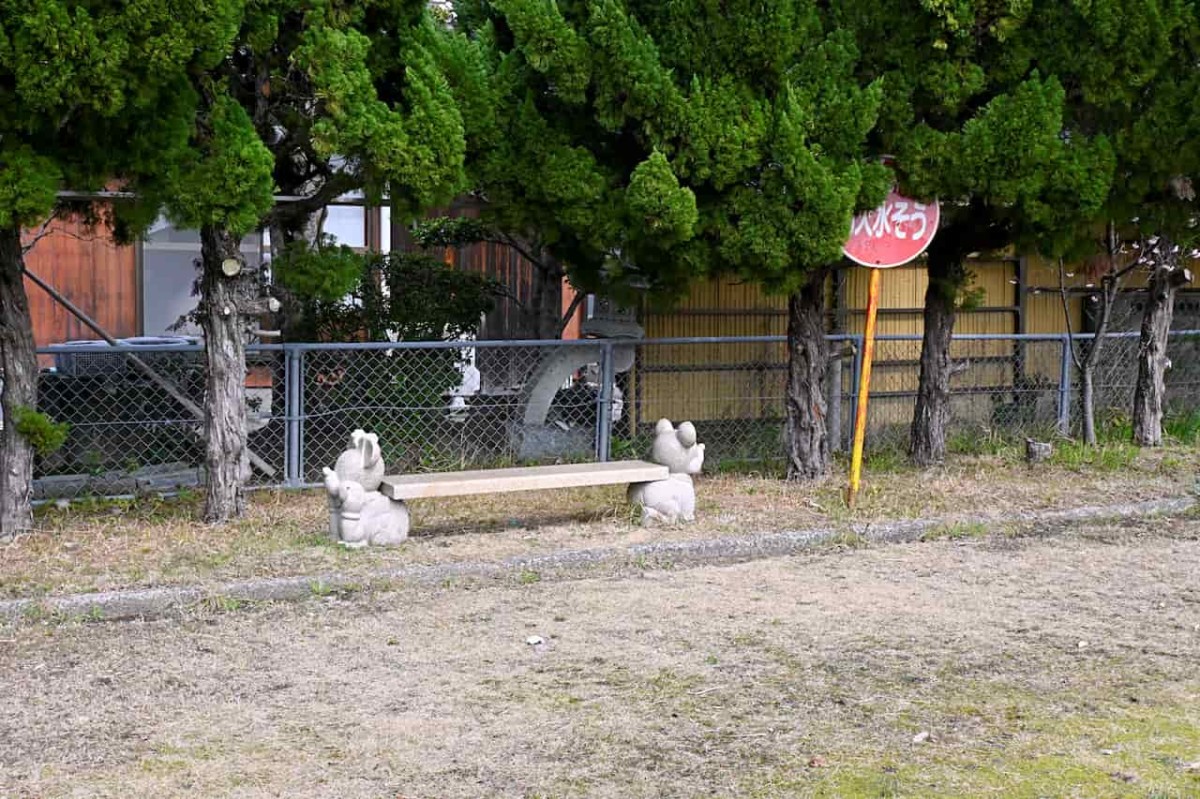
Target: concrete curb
(169, 600)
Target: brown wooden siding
(499, 262)
(92, 272)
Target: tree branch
(1110, 284)
(570, 313)
(42, 233)
(522, 250)
(1180, 277)
(1066, 304)
(334, 186)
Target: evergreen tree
(1158, 168)
(315, 98)
(646, 144)
(91, 91)
(1136, 87)
(998, 110)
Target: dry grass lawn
(155, 542)
(991, 667)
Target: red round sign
(893, 234)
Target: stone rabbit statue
(672, 500)
(358, 513)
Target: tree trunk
(808, 360)
(927, 441)
(226, 455)
(1087, 399)
(1152, 354)
(18, 365)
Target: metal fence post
(1064, 388)
(604, 411)
(293, 366)
(857, 370)
(833, 429)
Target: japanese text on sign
(903, 219)
(892, 234)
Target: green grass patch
(1183, 428)
(955, 531)
(1104, 457)
(1014, 743)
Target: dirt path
(1038, 667)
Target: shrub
(44, 434)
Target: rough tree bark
(808, 361)
(927, 439)
(1165, 281)
(18, 362)
(222, 309)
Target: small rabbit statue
(671, 500)
(358, 517)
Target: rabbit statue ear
(686, 434)
(663, 427)
(369, 446)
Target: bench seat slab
(523, 478)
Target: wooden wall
(95, 274)
(712, 381)
(741, 381)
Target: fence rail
(460, 404)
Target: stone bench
(368, 507)
(521, 478)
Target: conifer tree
(1009, 113)
(91, 91)
(315, 98)
(643, 145)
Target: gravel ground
(974, 665)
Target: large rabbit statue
(358, 513)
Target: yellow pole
(864, 387)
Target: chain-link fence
(1007, 387)
(136, 418)
(135, 412)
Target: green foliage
(95, 92)
(346, 296)
(320, 97)
(415, 150)
(447, 231)
(1183, 427)
(969, 297)
(227, 181)
(646, 144)
(1025, 113)
(29, 186)
(43, 433)
(1110, 456)
(658, 203)
(326, 273)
